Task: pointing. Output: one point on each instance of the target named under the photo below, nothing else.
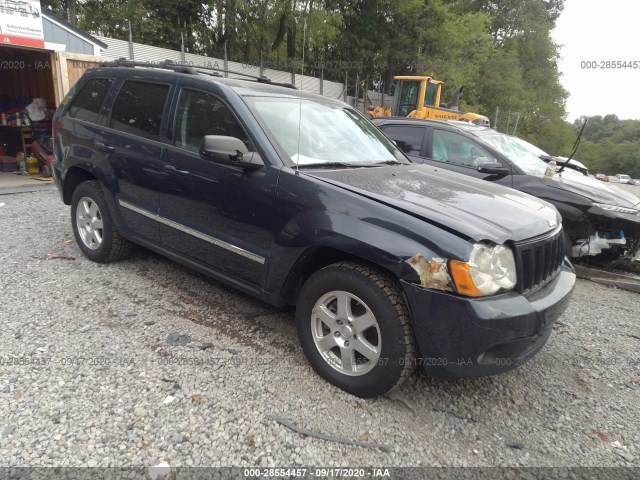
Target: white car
(624, 178)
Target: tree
(111, 19)
(501, 51)
(379, 38)
(610, 145)
(513, 18)
(455, 48)
(521, 75)
(63, 8)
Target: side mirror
(493, 168)
(229, 151)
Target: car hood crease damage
(475, 208)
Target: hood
(594, 190)
(474, 208)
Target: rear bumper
(57, 177)
(464, 337)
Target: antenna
(575, 146)
(304, 39)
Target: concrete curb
(629, 283)
(27, 189)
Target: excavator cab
(406, 97)
(414, 93)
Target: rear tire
(355, 329)
(93, 225)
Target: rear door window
(87, 103)
(138, 108)
(408, 138)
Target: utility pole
(515, 128)
(304, 41)
(72, 16)
(365, 95)
(346, 83)
(356, 93)
(130, 42)
(261, 63)
(182, 57)
(226, 62)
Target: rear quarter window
(87, 103)
(138, 108)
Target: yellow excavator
(419, 97)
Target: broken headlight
(489, 270)
(617, 209)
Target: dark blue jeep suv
(299, 200)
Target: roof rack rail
(123, 62)
(192, 70)
(258, 78)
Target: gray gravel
(145, 361)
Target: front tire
(355, 329)
(93, 225)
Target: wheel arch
(74, 177)
(316, 258)
(77, 174)
(326, 239)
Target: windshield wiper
(351, 165)
(389, 162)
(329, 165)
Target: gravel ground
(145, 361)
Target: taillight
(54, 129)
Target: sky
(600, 31)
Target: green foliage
(56, 6)
(456, 46)
(512, 18)
(522, 77)
(378, 38)
(610, 145)
(502, 52)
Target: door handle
(105, 148)
(175, 171)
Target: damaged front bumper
(595, 244)
(467, 337)
(611, 237)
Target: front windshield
(313, 133)
(529, 162)
(531, 147)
